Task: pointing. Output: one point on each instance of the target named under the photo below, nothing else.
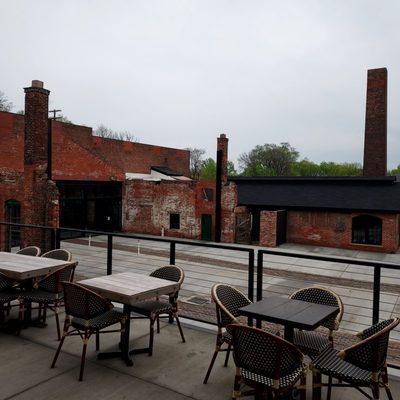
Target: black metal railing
(173, 242)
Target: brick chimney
(222, 144)
(36, 123)
(375, 141)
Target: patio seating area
(175, 372)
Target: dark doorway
(90, 205)
(281, 227)
(255, 226)
(367, 229)
(206, 227)
(13, 214)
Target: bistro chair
(266, 363)
(311, 343)
(154, 309)
(48, 293)
(360, 365)
(58, 254)
(87, 313)
(30, 251)
(7, 295)
(227, 300)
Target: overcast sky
(179, 73)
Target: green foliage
(309, 168)
(208, 169)
(268, 160)
(395, 171)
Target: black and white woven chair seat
(330, 364)
(227, 337)
(108, 318)
(154, 307)
(40, 296)
(7, 296)
(310, 343)
(284, 381)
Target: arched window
(367, 229)
(13, 214)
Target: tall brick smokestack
(36, 124)
(222, 144)
(375, 141)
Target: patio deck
(175, 371)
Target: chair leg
(57, 320)
(375, 391)
(217, 349)
(236, 386)
(180, 328)
(8, 308)
(65, 330)
(329, 395)
(97, 340)
(151, 339)
(385, 380)
(303, 390)
(83, 357)
(316, 391)
(21, 314)
(228, 351)
(158, 324)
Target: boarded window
(367, 229)
(174, 221)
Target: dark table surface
(289, 312)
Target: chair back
(228, 300)
(263, 353)
(81, 302)
(169, 273)
(5, 282)
(58, 254)
(30, 251)
(321, 295)
(53, 282)
(370, 354)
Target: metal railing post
(109, 254)
(58, 238)
(377, 294)
(250, 279)
(172, 253)
(260, 266)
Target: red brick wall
(228, 205)
(333, 229)
(268, 228)
(147, 206)
(375, 146)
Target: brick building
(54, 173)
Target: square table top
(295, 313)
(129, 287)
(21, 267)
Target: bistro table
(21, 267)
(290, 313)
(128, 288)
(25, 269)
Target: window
(174, 221)
(367, 230)
(13, 214)
(208, 194)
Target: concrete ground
(174, 372)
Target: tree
(105, 132)
(196, 162)
(5, 104)
(268, 160)
(395, 171)
(63, 118)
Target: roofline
(385, 179)
(332, 209)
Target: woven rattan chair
(309, 342)
(30, 251)
(266, 363)
(7, 295)
(227, 300)
(87, 313)
(58, 254)
(48, 293)
(361, 365)
(154, 309)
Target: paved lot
(175, 372)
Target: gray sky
(178, 73)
